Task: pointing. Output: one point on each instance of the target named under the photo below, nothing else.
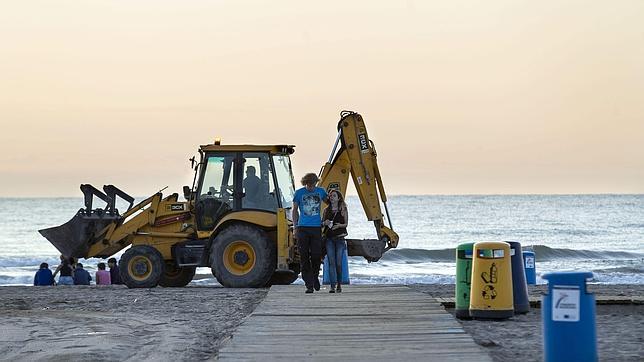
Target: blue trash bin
(529, 263)
(519, 285)
(568, 315)
(345, 270)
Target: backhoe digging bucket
(370, 249)
(74, 238)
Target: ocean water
(599, 233)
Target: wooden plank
(364, 323)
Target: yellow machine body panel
(287, 149)
(154, 221)
(264, 219)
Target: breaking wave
(542, 252)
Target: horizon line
(390, 195)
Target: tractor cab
(242, 177)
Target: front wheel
(141, 267)
(243, 256)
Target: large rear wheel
(141, 267)
(175, 276)
(243, 256)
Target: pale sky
(460, 97)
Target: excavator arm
(355, 154)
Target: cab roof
(280, 149)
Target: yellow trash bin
(491, 293)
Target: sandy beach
(116, 323)
(111, 323)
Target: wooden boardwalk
(363, 323)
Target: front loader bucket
(370, 249)
(75, 237)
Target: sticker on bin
(529, 262)
(565, 304)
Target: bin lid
(465, 246)
(514, 244)
(567, 278)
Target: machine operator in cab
(307, 221)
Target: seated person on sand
(43, 275)
(102, 275)
(115, 277)
(81, 276)
(66, 271)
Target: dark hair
(67, 260)
(101, 266)
(111, 260)
(79, 265)
(341, 204)
(340, 196)
(44, 265)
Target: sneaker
(331, 290)
(316, 284)
(309, 290)
(339, 290)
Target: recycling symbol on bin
(488, 292)
(489, 278)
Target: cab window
(258, 184)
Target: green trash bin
(463, 280)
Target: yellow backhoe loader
(235, 218)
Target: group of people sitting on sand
(73, 273)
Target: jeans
(335, 250)
(309, 241)
(65, 280)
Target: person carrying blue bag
(336, 219)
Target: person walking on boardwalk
(336, 218)
(307, 222)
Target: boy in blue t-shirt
(307, 221)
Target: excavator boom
(355, 154)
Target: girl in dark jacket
(336, 218)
